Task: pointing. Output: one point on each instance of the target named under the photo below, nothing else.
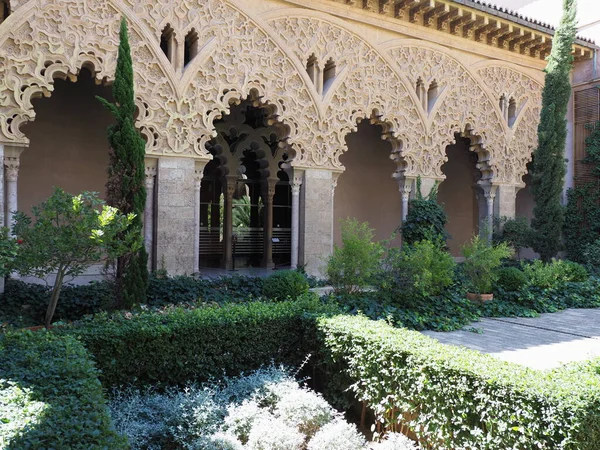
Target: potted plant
(482, 259)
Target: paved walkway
(541, 343)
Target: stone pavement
(541, 343)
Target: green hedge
(458, 398)
(181, 345)
(50, 396)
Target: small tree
(482, 261)
(125, 189)
(548, 159)
(426, 219)
(67, 234)
(352, 266)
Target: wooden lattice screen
(587, 113)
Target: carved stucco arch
(365, 87)
(40, 42)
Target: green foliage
(511, 279)
(285, 284)
(555, 273)
(454, 397)
(126, 189)
(548, 159)
(591, 256)
(8, 251)
(422, 269)
(179, 345)
(50, 396)
(482, 261)
(352, 266)
(426, 219)
(67, 235)
(516, 233)
(582, 220)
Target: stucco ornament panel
(462, 106)
(364, 87)
(54, 39)
(522, 136)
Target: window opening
(328, 74)
(190, 47)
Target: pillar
(427, 185)
(198, 174)
(296, 184)
(316, 213)
(405, 187)
(334, 180)
(2, 222)
(229, 184)
(268, 194)
(151, 164)
(489, 192)
(175, 214)
(11, 169)
(506, 201)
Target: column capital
(405, 185)
(11, 164)
(489, 191)
(268, 188)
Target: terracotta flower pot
(480, 297)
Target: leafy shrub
(511, 279)
(591, 256)
(555, 273)
(481, 263)
(9, 249)
(426, 219)
(179, 345)
(264, 410)
(422, 269)
(396, 441)
(285, 284)
(30, 301)
(352, 266)
(50, 396)
(516, 233)
(502, 405)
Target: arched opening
(328, 74)
(245, 196)
(366, 190)
(312, 68)
(68, 142)
(460, 195)
(512, 112)
(524, 207)
(190, 47)
(4, 10)
(432, 95)
(167, 42)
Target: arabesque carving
(240, 57)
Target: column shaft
(199, 172)
(268, 193)
(296, 184)
(149, 213)
(229, 189)
(11, 165)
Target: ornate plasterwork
(241, 57)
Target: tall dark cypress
(548, 159)
(125, 188)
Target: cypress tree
(125, 188)
(548, 159)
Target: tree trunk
(54, 297)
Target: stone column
(268, 194)
(405, 187)
(334, 180)
(489, 192)
(506, 201)
(149, 210)
(317, 216)
(11, 165)
(229, 184)
(175, 214)
(198, 174)
(297, 178)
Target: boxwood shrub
(182, 345)
(50, 396)
(452, 397)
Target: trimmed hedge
(457, 398)
(50, 396)
(182, 345)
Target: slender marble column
(229, 189)
(405, 188)
(334, 180)
(199, 172)
(268, 194)
(489, 191)
(296, 184)
(149, 211)
(11, 165)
